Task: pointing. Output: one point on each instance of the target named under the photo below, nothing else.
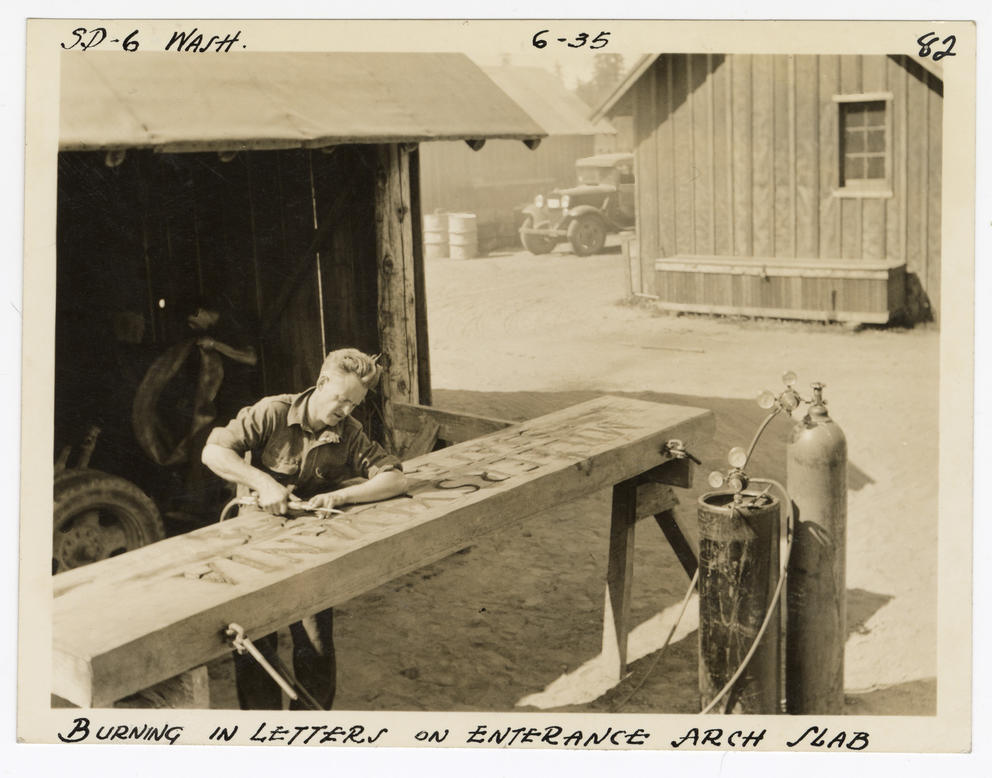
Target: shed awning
(189, 102)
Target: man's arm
(231, 466)
(381, 486)
(245, 356)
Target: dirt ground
(514, 622)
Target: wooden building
(794, 186)
(496, 181)
(284, 186)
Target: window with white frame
(864, 136)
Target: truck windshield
(592, 175)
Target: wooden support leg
(619, 576)
(186, 690)
(673, 534)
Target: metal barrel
(738, 571)
(463, 236)
(435, 235)
(816, 599)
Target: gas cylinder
(738, 568)
(816, 598)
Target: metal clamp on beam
(676, 449)
(241, 643)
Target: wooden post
(419, 282)
(684, 552)
(186, 690)
(619, 576)
(396, 278)
(738, 571)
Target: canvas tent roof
(175, 102)
(542, 95)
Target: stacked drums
(453, 235)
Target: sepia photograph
(564, 385)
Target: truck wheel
(587, 234)
(98, 515)
(536, 244)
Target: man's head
(345, 378)
(203, 318)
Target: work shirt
(283, 445)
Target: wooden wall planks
(743, 171)
(496, 180)
(681, 119)
(935, 116)
(701, 142)
(897, 79)
(648, 159)
(783, 151)
(762, 155)
(807, 116)
(745, 150)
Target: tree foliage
(607, 73)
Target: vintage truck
(602, 202)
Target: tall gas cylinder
(816, 598)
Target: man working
(305, 446)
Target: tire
(98, 515)
(536, 244)
(587, 234)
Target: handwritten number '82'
(928, 39)
(97, 36)
(597, 43)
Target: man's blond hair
(351, 360)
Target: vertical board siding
(746, 159)
(711, 150)
(762, 156)
(895, 206)
(664, 171)
(700, 88)
(783, 152)
(873, 210)
(850, 208)
(681, 152)
(742, 169)
(666, 157)
(646, 124)
(283, 207)
(723, 210)
(500, 177)
(691, 99)
(807, 116)
(830, 215)
(916, 174)
(935, 132)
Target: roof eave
(276, 144)
(611, 102)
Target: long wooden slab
(128, 622)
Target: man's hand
(328, 499)
(273, 497)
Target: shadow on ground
(913, 698)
